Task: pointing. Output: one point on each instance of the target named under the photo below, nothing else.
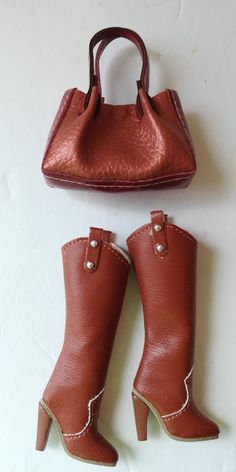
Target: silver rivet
(94, 243)
(90, 265)
(160, 247)
(157, 228)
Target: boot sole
(51, 415)
(161, 422)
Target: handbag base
(119, 186)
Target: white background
(44, 50)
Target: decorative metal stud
(160, 247)
(158, 227)
(94, 243)
(90, 265)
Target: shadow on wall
(205, 274)
(204, 322)
(209, 178)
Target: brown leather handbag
(101, 146)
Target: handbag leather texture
(97, 145)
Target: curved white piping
(89, 416)
(187, 397)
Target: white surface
(44, 50)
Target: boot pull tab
(94, 244)
(158, 232)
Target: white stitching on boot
(89, 420)
(187, 397)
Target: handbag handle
(102, 46)
(105, 36)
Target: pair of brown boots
(95, 275)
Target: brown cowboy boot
(95, 275)
(164, 258)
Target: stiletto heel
(141, 411)
(44, 424)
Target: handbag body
(97, 145)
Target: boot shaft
(94, 296)
(164, 259)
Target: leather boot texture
(164, 259)
(95, 276)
